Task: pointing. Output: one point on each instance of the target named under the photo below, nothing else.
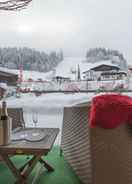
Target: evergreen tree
(98, 54)
(31, 59)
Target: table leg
(13, 169)
(27, 168)
(46, 165)
(22, 173)
(26, 164)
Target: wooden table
(37, 149)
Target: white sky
(73, 25)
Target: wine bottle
(6, 123)
(1, 130)
(4, 114)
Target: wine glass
(35, 118)
(35, 121)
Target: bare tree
(12, 5)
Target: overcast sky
(73, 25)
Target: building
(9, 78)
(60, 79)
(95, 71)
(113, 75)
(105, 67)
(88, 75)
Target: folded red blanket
(110, 110)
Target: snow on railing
(75, 85)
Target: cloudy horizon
(73, 26)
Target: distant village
(100, 75)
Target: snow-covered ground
(48, 106)
(66, 68)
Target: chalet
(9, 78)
(94, 72)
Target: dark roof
(8, 78)
(105, 67)
(7, 74)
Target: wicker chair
(98, 156)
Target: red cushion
(110, 110)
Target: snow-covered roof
(104, 62)
(7, 70)
(100, 63)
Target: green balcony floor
(63, 173)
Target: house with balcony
(97, 69)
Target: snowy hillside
(68, 65)
(63, 69)
(66, 68)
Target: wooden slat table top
(26, 147)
